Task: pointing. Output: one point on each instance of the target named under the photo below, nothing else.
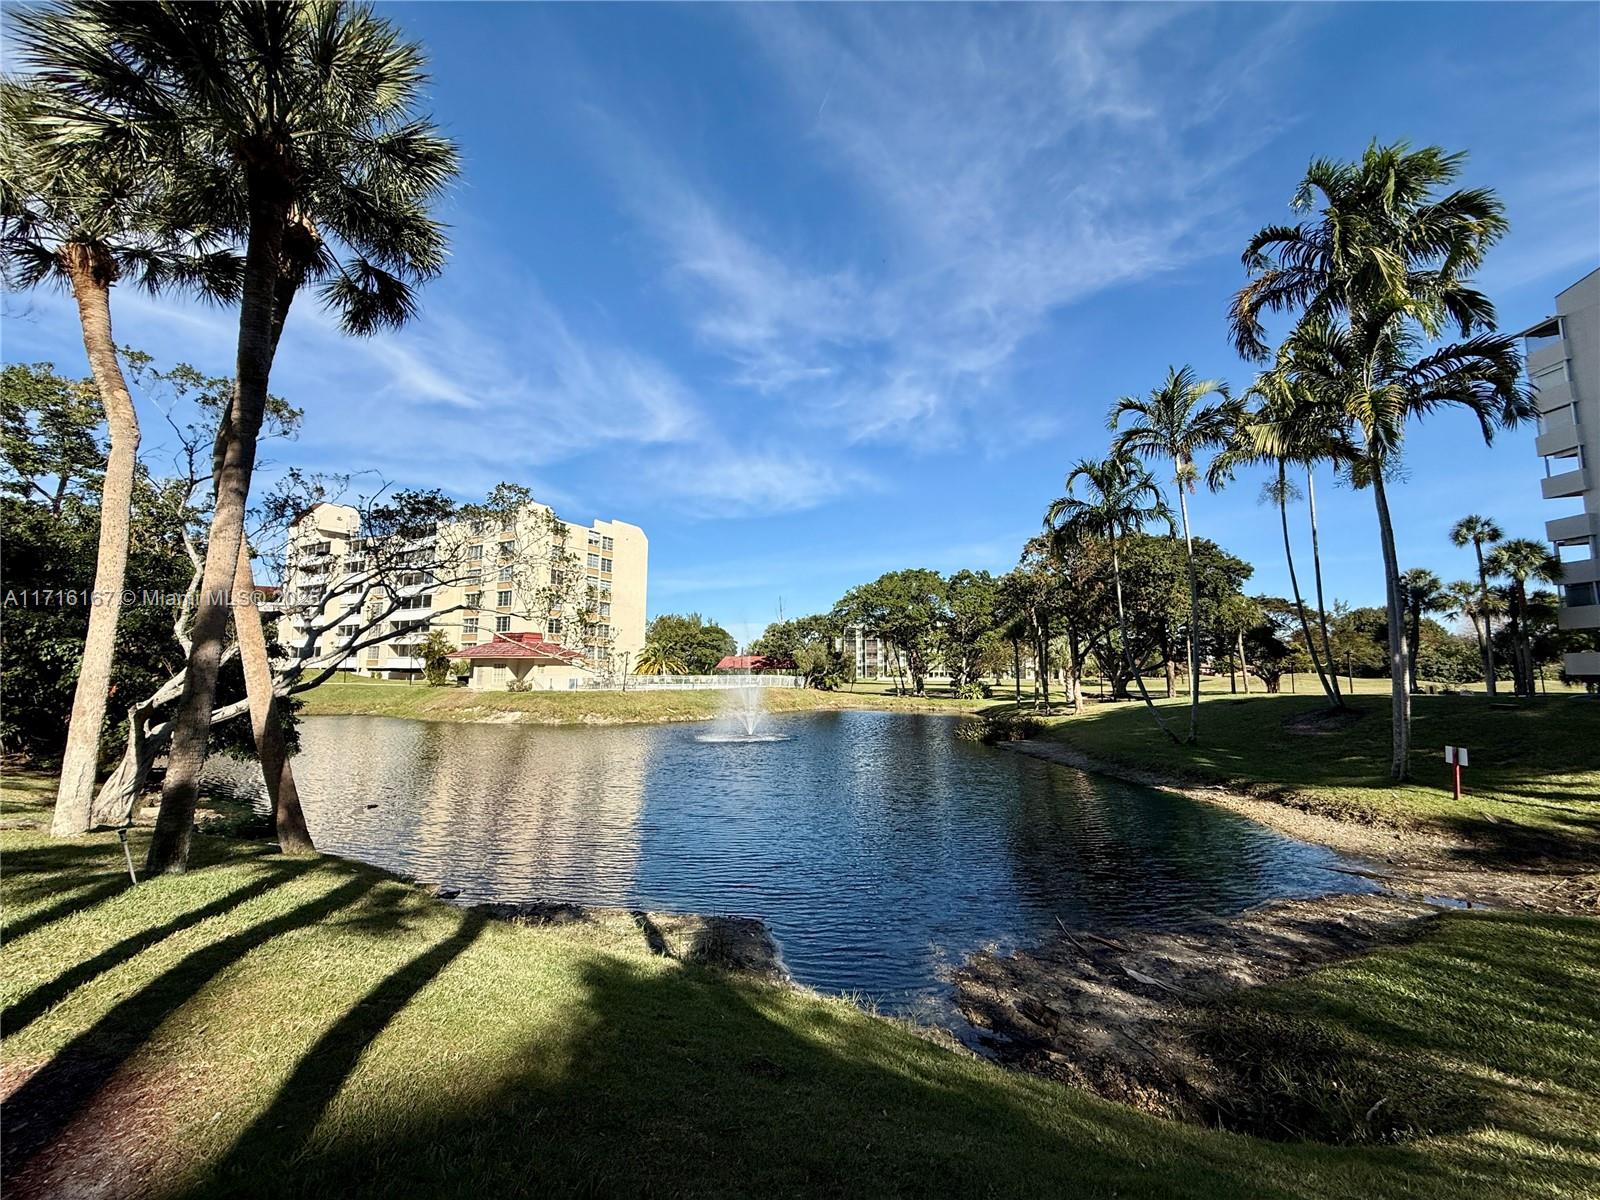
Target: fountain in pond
(743, 715)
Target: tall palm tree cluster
(242, 151)
(1521, 562)
(1373, 282)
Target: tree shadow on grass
(76, 900)
(37, 1112)
(29, 1008)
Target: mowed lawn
(271, 1027)
(1532, 787)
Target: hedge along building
(480, 582)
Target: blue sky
(815, 293)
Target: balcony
(1561, 435)
(1582, 570)
(1557, 393)
(1581, 665)
(1546, 356)
(1578, 616)
(1570, 531)
(1568, 483)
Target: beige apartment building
(521, 578)
(1563, 357)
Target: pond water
(878, 847)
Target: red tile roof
(523, 645)
(755, 662)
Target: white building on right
(1563, 357)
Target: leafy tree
(972, 601)
(50, 448)
(812, 644)
(1386, 262)
(690, 639)
(1174, 422)
(1479, 533)
(435, 652)
(292, 126)
(907, 610)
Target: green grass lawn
(373, 698)
(1533, 786)
(272, 1027)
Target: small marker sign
(1456, 756)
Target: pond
(879, 848)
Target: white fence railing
(692, 683)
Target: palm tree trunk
(1488, 626)
(1244, 663)
(1331, 690)
(169, 845)
(1322, 607)
(1016, 669)
(1414, 643)
(1399, 659)
(1127, 651)
(288, 818)
(1194, 614)
(91, 288)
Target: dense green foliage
(690, 639)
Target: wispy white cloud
(716, 480)
(1008, 163)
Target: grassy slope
(584, 708)
(1534, 781)
(259, 1012)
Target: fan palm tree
(1120, 497)
(1385, 261)
(1521, 561)
(301, 120)
(656, 659)
(1480, 532)
(1175, 422)
(78, 221)
(1423, 593)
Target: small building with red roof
(523, 659)
(756, 664)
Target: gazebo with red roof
(755, 664)
(522, 658)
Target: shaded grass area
(269, 1027)
(367, 698)
(1532, 790)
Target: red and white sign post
(1456, 756)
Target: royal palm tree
(1175, 422)
(1119, 497)
(655, 659)
(1480, 532)
(302, 119)
(1521, 561)
(1384, 262)
(1423, 593)
(1465, 599)
(81, 222)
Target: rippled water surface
(878, 847)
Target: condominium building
(519, 577)
(1563, 356)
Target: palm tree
(1423, 593)
(1174, 421)
(1466, 599)
(1121, 497)
(80, 222)
(1384, 261)
(1480, 532)
(656, 659)
(1288, 424)
(1522, 560)
(301, 119)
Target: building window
(469, 625)
(554, 625)
(474, 599)
(605, 566)
(474, 553)
(505, 574)
(605, 610)
(558, 578)
(475, 575)
(607, 544)
(502, 624)
(503, 599)
(594, 561)
(594, 538)
(605, 587)
(507, 549)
